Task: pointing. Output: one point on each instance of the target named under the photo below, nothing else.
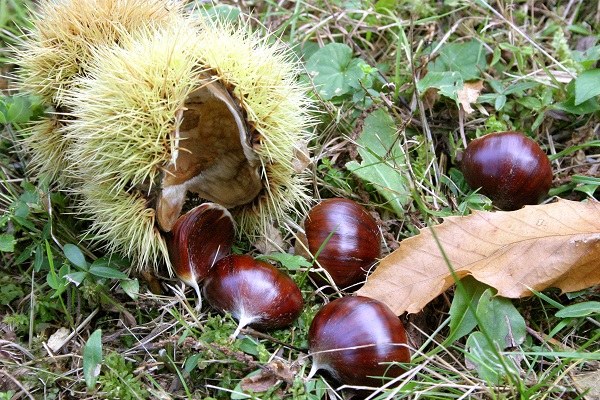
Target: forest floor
(433, 75)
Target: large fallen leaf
(537, 247)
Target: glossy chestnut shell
(355, 242)
(368, 335)
(510, 168)
(254, 292)
(198, 239)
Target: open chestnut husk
(200, 238)
(254, 292)
(510, 168)
(359, 341)
(345, 238)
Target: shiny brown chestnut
(358, 340)
(510, 168)
(345, 238)
(253, 292)
(200, 238)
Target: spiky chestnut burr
(55, 53)
(191, 110)
(65, 33)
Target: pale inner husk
(213, 156)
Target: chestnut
(358, 340)
(345, 238)
(198, 239)
(510, 168)
(253, 292)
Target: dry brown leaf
(58, 339)
(430, 97)
(537, 247)
(265, 379)
(258, 383)
(590, 382)
(469, 94)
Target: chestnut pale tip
(358, 340)
(199, 239)
(253, 292)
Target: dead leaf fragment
(271, 241)
(430, 97)
(258, 383)
(469, 94)
(301, 159)
(58, 339)
(264, 379)
(589, 383)
(536, 247)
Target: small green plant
(7, 395)
(18, 110)
(340, 77)
(334, 176)
(383, 160)
(92, 358)
(99, 270)
(118, 381)
(455, 64)
(14, 16)
(111, 376)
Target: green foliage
(382, 160)
(9, 291)
(314, 389)
(490, 365)
(7, 243)
(75, 255)
(118, 381)
(467, 59)
(14, 17)
(92, 358)
(223, 12)
(579, 310)
(501, 94)
(108, 267)
(288, 261)
(569, 105)
(456, 63)
(500, 321)
(587, 59)
(500, 326)
(334, 176)
(587, 86)
(19, 110)
(17, 321)
(455, 182)
(462, 311)
(7, 395)
(338, 76)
